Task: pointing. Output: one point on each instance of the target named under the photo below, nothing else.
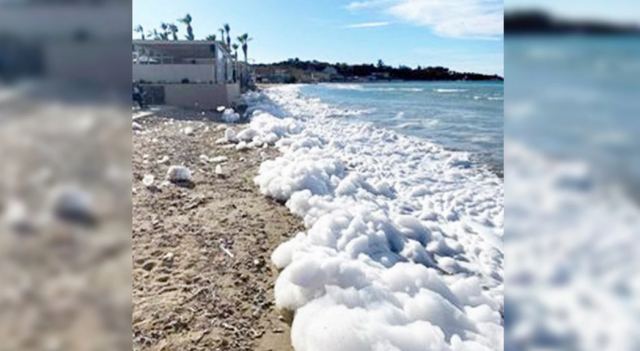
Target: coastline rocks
(73, 205)
(178, 174)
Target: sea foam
(403, 241)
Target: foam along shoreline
(403, 242)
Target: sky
(464, 35)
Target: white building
(196, 74)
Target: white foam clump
(179, 174)
(219, 159)
(230, 135)
(265, 128)
(403, 243)
(574, 255)
(148, 180)
(230, 116)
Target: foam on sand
(403, 243)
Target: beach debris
(148, 179)
(241, 146)
(178, 174)
(188, 131)
(230, 116)
(219, 171)
(16, 217)
(226, 251)
(72, 204)
(230, 135)
(258, 263)
(168, 256)
(219, 159)
(221, 108)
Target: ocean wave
(490, 98)
(402, 240)
(410, 125)
(343, 86)
(364, 87)
(413, 90)
(443, 90)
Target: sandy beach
(202, 277)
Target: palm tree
(227, 29)
(235, 47)
(221, 30)
(187, 21)
(244, 40)
(211, 37)
(154, 34)
(140, 30)
(174, 31)
(164, 34)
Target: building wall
(174, 73)
(198, 96)
(233, 91)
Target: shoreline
(369, 223)
(377, 228)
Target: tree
(164, 34)
(154, 34)
(140, 30)
(244, 40)
(187, 21)
(174, 31)
(235, 47)
(227, 30)
(211, 37)
(380, 64)
(221, 30)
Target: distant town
(298, 71)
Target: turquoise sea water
(464, 116)
(577, 98)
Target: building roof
(182, 49)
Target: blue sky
(464, 35)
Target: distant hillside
(295, 71)
(541, 22)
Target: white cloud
(366, 4)
(368, 25)
(448, 18)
